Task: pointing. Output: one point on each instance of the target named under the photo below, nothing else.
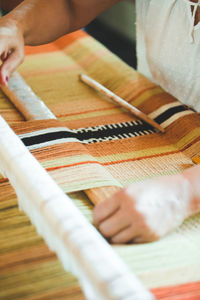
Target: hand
(145, 211)
(11, 49)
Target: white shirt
(168, 47)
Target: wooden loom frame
(78, 245)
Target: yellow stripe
(91, 114)
(141, 99)
(67, 160)
(146, 95)
(153, 151)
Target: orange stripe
(88, 111)
(73, 165)
(155, 155)
(142, 91)
(114, 162)
(110, 162)
(104, 108)
(4, 180)
(121, 161)
(61, 43)
(188, 291)
(151, 156)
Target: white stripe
(175, 117)
(43, 131)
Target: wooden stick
(106, 92)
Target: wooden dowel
(106, 92)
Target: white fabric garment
(168, 47)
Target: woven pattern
(62, 154)
(144, 154)
(85, 158)
(128, 155)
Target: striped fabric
(105, 141)
(85, 158)
(61, 152)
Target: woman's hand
(11, 49)
(145, 211)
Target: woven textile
(105, 140)
(61, 152)
(115, 154)
(144, 154)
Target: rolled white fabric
(79, 246)
(25, 100)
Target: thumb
(10, 64)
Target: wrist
(179, 195)
(11, 26)
(18, 21)
(192, 176)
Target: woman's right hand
(11, 48)
(36, 22)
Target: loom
(76, 242)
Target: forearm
(42, 21)
(36, 22)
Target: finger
(11, 63)
(114, 224)
(3, 79)
(139, 240)
(105, 209)
(124, 236)
(146, 238)
(4, 56)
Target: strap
(195, 5)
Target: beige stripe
(171, 277)
(152, 151)
(81, 177)
(176, 117)
(163, 108)
(138, 170)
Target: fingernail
(5, 80)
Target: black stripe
(169, 113)
(47, 137)
(85, 134)
(123, 128)
(104, 132)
